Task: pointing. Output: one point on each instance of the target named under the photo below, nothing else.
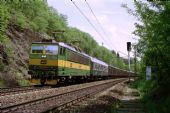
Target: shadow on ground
(103, 104)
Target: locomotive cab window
(51, 49)
(37, 49)
(62, 51)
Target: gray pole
(129, 63)
(135, 63)
(129, 60)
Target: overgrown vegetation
(153, 29)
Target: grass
(158, 106)
(154, 96)
(115, 107)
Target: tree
(153, 29)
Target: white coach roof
(98, 61)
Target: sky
(117, 24)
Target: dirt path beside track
(117, 99)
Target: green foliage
(4, 16)
(150, 92)
(35, 14)
(20, 21)
(20, 80)
(4, 21)
(154, 42)
(153, 47)
(41, 23)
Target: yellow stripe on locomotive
(59, 63)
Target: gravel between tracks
(10, 100)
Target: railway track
(52, 99)
(16, 90)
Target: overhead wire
(91, 22)
(88, 20)
(100, 25)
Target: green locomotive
(53, 62)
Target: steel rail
(16, 90)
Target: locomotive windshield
(37, 49)
(46, 49)
(51, 49)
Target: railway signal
(128, 46)
(129, 49)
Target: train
(52, 62)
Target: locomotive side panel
(72, 63)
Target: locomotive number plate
(43, 61)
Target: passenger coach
(99, 69)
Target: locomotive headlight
(43, 56)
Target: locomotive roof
(92, 58)
(67, 46)
(56, 43)
(73, 49)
